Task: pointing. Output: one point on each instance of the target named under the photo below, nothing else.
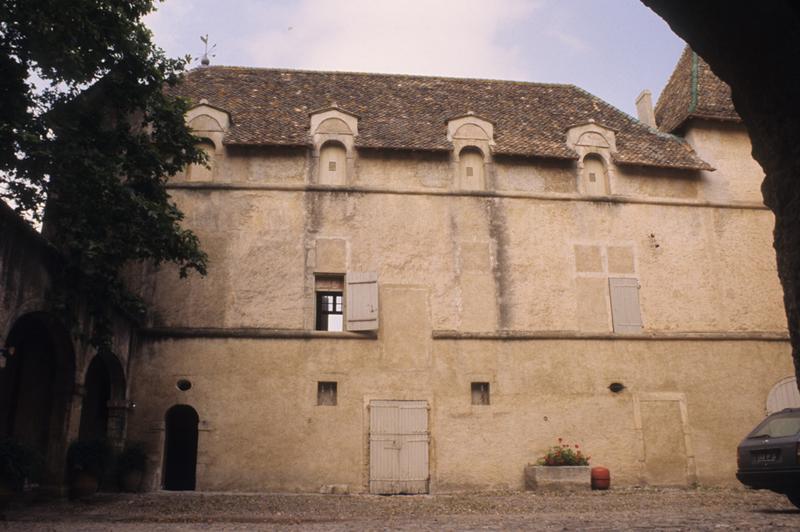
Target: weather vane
(205, 61)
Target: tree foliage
(94, 140)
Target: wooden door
(398, 447)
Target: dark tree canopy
(94, 139)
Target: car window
(778, 426)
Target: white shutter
(361, 301)
(783, 395)
(625, 305)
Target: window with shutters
(347, 302)
(625, 312)
(330, 302)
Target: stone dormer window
(594, 144)
(333, 133)
(472, 138)
(210, 124)
(332, 163)
(594, 175)
(471, 169)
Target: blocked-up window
(203, 172)
(471, 169)
(333, 164)
(595, 176)
(625, 311)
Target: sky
(611, 48)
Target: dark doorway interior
(36, 390)
(180, 448)
(27, 386)
(94, 412)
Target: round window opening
(616, 387)
(184, 385)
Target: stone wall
(507, 286)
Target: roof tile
(271, 107)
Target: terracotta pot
(83, 485)
(601, 478)
(131, 481)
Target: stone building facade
(497, 265)
(419, 284)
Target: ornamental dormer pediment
(210, 122)
(333, 120)
(591, 136)
(470, 127)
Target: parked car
(769, 457)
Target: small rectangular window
(592, 177)
(330, 302)
(480, 393)
(326, 393)
(332, 166)
(469, 171)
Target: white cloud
(571, 41)
(450, 37)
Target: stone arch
(594, 139)
(594, 175)
(471, 168)
(471, 131)
(335, 126)
(332, 163)
(37, 387)
(103, 406)
(180, 448)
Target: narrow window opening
(332, 166)
(469, 171)
(326, 393)
(594, 175)
(480, 393)
(330, 302)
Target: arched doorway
(94, 410)
(180, 448)
(36, 389)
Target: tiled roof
(693, 91)
(271, 107)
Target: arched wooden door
(180, 448)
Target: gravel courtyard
(622, 509)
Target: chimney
(644, 108)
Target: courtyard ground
(620, 509)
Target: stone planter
(558, 478)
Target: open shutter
(625, 305)
(361, 301)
